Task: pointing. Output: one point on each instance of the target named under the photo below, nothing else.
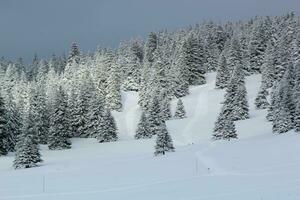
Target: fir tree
(150, 47)
(59, 133)
(40, 113)
(272, 106)
(164, 142)
(224, 126)
(143, 129)
(109, 132)
(74, 55)
(261, 101)
(113, 96)
(297, 117)
(3, 128)
(223, 75)
(27, 150)
(14, 123)
(296, 96)
(154, 116)
(180, 112)
(95, 116)
(192, 61)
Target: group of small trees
(152, 122)
(235, 106)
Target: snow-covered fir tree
(142, 130)
(39, 111)
(296, 96)
(109, 132)
(3, 128)
(113, 96)
(154, 116)
(261, 101)
(192, 62)
(179, 112)
(224, 126)
(96, 111)
(223, 74)
(27, 150)
(59, 133)
(164, 141)
(14, 123)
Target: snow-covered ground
(258, 166)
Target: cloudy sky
(49, 26)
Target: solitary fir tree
(163, 141)
(143, 129)
(27, 150)
(59, 133)
(180, 112)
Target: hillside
(259, 165)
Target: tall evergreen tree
(39, 111)
(109, 131)
(14, 123)
(113, 96)
(59, 133)
(96, 121)
(261, 101)
(74, 55)
(192, 61)
(296, 96)
(27, 150)
(223, 74)
(164, 141)
(143, 129)
(154, 116)
(180, 112)
(224, 126)
(3, 128)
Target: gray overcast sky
(49, 26)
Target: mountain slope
(259, 165)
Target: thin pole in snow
(44, 183)
(196, 165)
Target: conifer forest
(179, 112)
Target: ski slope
(259, 165)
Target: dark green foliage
(109, 131)
(143, 129)
(27, 150)
(192, 61)
(59, 132)
(180, 112)
(164, 142)
(3, 128)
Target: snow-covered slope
(259, 165)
